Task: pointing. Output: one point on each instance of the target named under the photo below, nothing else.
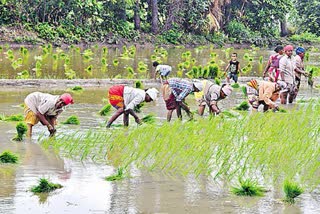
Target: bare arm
(267, 68)
(115, 116)
(133, 114)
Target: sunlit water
(86, 191)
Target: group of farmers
(46, 107)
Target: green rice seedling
(130, 70)
(70, 74)
(213, 55)
(291, 190)
(45, 186)
(213, 71)
(89, 69)
(72, 120)
(115, 62)
(307, 56)
(186, 64)
(248, 188)
(260, 59)
(8, 157)
(228, 114)
(142, 67)
(217, 81)
(244, 91)
(244, 106)
(104, 62)
(235, 85)
(104, 51)
(149, 119)
(1, 48)
(14, 117)
(116, 177)
(153, 57)
(138, 84)
(62, 55)
(138, 107)
(105, 110)
(21, 131)
(77, 88)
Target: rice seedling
(217, 81)
(70, 74)
(235, 85)
(72, 120)
(104, 61)
(77, 88)
(89, 69)
(104, 51)
(8, 157)
(105, 110)
(138, 84)
(116, 177)
(260, 59)
(14, 117)
(291, 190)
(23, 74)
(244, 91)
(244, 106)
(115, 62)
(272, 146)
(213, 71)
(45, 186)
(21, 131)
(248, 188)
(130, 71)
(142, 67)
(138, 107)
(149, 119)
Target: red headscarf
(288, 48)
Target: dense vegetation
(260, 22)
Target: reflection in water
(85, 190)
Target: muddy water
(86, 191)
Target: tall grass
(269, 146)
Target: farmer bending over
(212, 93)
(163, 70)
(125, 98)
(174, 91)
(44, 108)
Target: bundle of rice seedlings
(8, 157)
(291, 190)
(116, 177)
(248, 188)
(138, 84)
(73, 120)
(150, 118)
(235, 85)
(45, 186)
(21, 131)
(77, 88)
(105, 110)
(244, 106)
(138, 107)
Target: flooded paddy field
(85, 189)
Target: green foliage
(105, 110)
(8, 157)
(305, 37)
(291, 190)
(72, 120)
(238, 31)
(138, 84)
(248, 188)
(172, 36)
(116, 177)
(45, 186)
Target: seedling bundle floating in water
(248, 188)
(116, 177)
(291, 190)
(105, 110)
(45, 186)
(8, 157)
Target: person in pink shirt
(272, 69)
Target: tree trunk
(136, 16)
(284, 28)
(154, 14)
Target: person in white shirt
(163, 70)
(287, 66)
(125, 98)
(44, 108)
